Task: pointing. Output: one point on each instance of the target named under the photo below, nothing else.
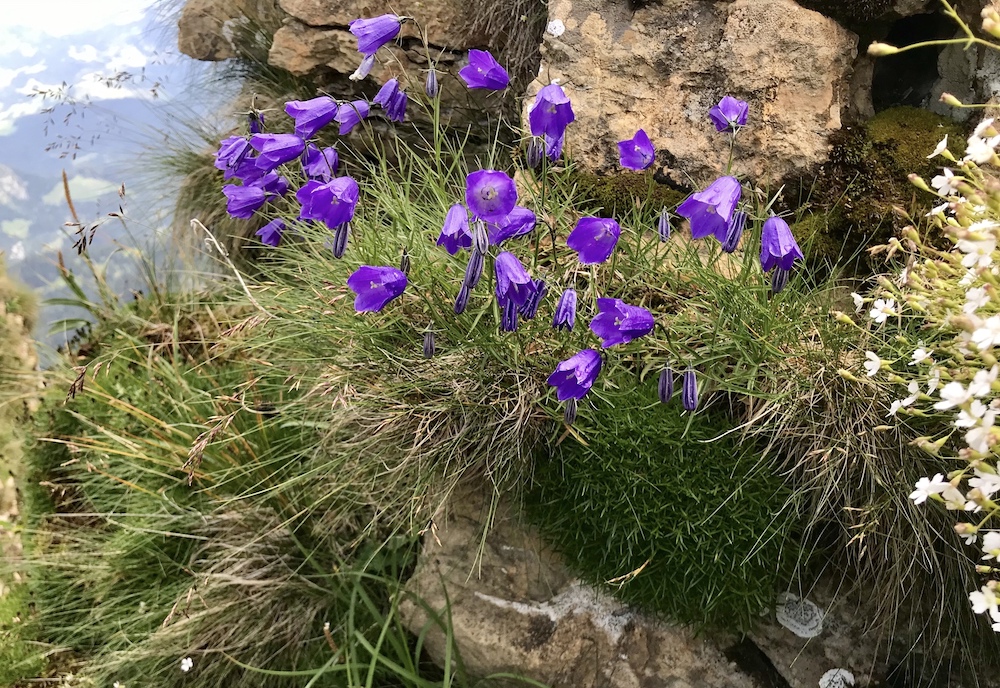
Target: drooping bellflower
(729, 115)
(636, 153)
(276, 149)
(710, 211)
(565, 315)
(350, 114)
(530, 307)
(512, 281)
(777, 245)
(574, 377)
(455, 234)
(373, 33)
(270, 233)
(392, 99)
(663, 226)
(233, 151)
(689, 390)
(619, 323)
(243, 201)
(519, 222)
(375, 286)
(548, 118)
(273, 183)
(483, 71)
(364, 69)
(553, 146)
(490, 194)
(311, 115)
(594, 238)
(332, 202)
(735, 231)
(318, 164)
(665, 386)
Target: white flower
(555, 28)
(117, 684)
(981, 150)
(914, 389)
(973, 416)
(882, 309)
(952, 394)
(920, 355)
(969, 277)
(983, 126)
(988, 334)
(933, 380)
(979, 252)
(991, 545)
(987, 483)
(975, 299)
(978, 439)
(941, 148)
(946, 183)
(859, 301)
(186, 664)
(836, 678)
(983, 600)
(954, 500)
(982, 382)
(937, 210)
(928, 486)
(873, 364)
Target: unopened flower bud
(663, 226)
(569, 415)
(428, 344)
(535, 153)
(665, 387)
(474, 270)
(919, 182)
(431, 85)
(255, 122)
(949, 99)
(508, 319)
(847, 375)
(565, 316)
(480, 237)
(735, 232)
(689, 390)
(530, 306)
(882, 49)
(991, 22)
(340, 233)
(779, 280)
(963, 322)
(462, 300)
(364, 69)
(404, 263)
(966, 529)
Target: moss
(19, 658)
(616, 194)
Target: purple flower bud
(350, 114)
(665, 387)
(734, 231)
(689, 391)
(255, 120)
(483, 71)
(529, 309)
(512, 281)
(373, 33)
(243, 201)
(364, 69)
(276, 149)
(519, 222)
(428, 344)
(508, 315)
(332, 202)
(455, 234)
(474, 269)
(574, 377)
(551, 113)
(392, 100)
(663, 226)
(779, 280)
(375, 286)
(534, 153)
(490, 195)
(320, 164)
(619, 323)
(565, 317)
(709, 211)
(431, 85)
(777, 245)
(636, 153)
(569, 415)
(594, 238)
(270, 233)
(340, 235)
(480, 236)
(462, 300)
(729, 115)
(311, 115)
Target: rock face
(661, 67)
(210, 29)
(515, 607)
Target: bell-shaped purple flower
(665, 385)
(333, 202)
(375, 286)
(392, 100)
(551, 113)
(373, 33)
(270, 233)
(508, 316)
(519, 222)
(490, 195)
(273, 183)
(735, 231)
(565, 316)
(455, 234)
(350, 114)
(243, 201)
(663, 226)
(529, 309)
(777, 245)
(276, 149)
(320, 164)
(232, 152)
(729, 115)
(483, 71)
(689, 390)
(474, 269)
(311, 115)
(513, 282)
(553, 146)
(710, 211)
(574, 377)
(594, 238)
(619, 323)
(636, 153)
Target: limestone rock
(207, 28)
(661, 67)
(302, 49)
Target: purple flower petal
(332, 202)
(373, 33)
(778, 246)
(483, 71)
(574, 377)
(276, 149)
(455, 234)
(710, 211)
(513, 281)
(730, 114)
(375, 286)
(519, 222)
(594, 238)
(311, 115)
(490, 195)
(637, 152)
(619, 323)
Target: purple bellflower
(636, 153)
(565, 316)
(490, 195)
(709, 211)
(483, 71)
(455, 234)
(551, 113)
(665, 386)
(364, 69)
(777, 245)
(574, 377)
(243, 201)
(375, 286)
(232, 151)
(332, 202)
(594, 238)
(311, 115)
(392, 100)
(320, 165)
(270, 233)
(734, 232)
(276, 149)
(619, 323)
(729, 115)
(273, 183)
(350, 114)
(530, 307)
(689, 390)
(513, 282)
(373, 33)
(519, 222)
(663, 226)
